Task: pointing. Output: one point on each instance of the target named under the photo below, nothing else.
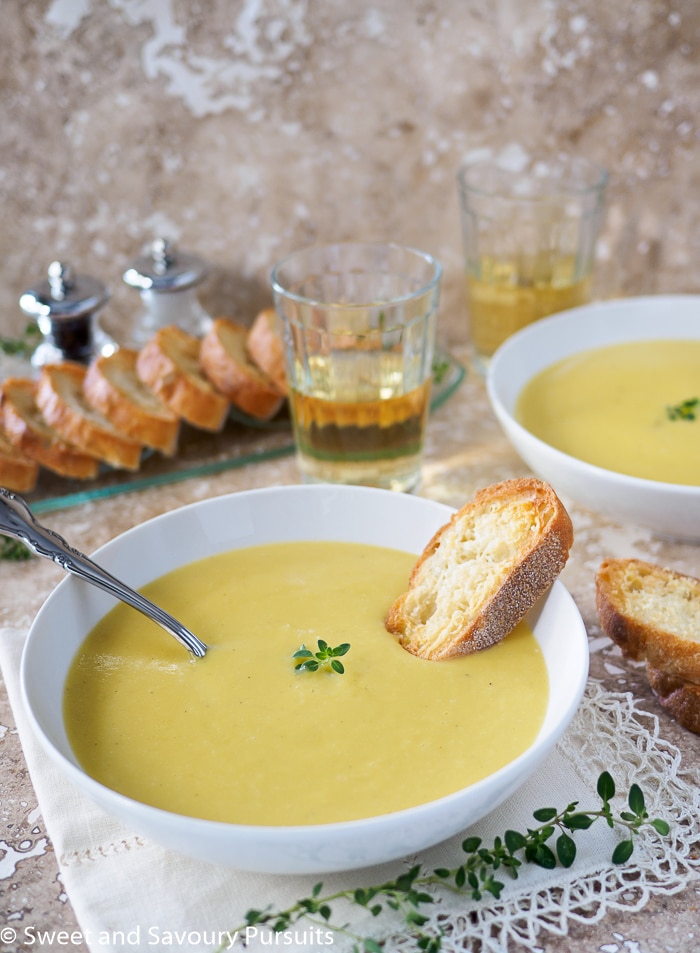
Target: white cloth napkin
(132, 895)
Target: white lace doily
(610, 732)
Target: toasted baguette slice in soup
(652, 613)
(483, 570)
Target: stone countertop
(465, 451)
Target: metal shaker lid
(164, 269)
(63, 295)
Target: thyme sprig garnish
(686, 410)
(326, 658)
(548, 845)
(22, 346)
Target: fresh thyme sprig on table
(22, 346)
(440, 367)
(409, 897)
(13, 550)
(326, 658)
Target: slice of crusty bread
(680, 697)
(27, 429)
(113, 387)
(483, 570)
(652, 613)
(17, 472)
(62, 402)
(225, 361)
(265, 348)
(169, 365)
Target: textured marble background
(242, 129)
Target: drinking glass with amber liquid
(358, 325)
(529, 236)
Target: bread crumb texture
(657, 597)
(481, 572)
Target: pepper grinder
(167, 281)
(65, 308)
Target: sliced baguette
(483, 570)
(652, 613)
(27, 430)
(169, 365)
(113, 387)
(265, 348)
(225, 361)
(17, 472)
(679, 697)
(61, 400)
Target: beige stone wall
(242, 130)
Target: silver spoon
(16, 519)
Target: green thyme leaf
(21, 346)
(623, 852)
(578, 822)
(515, 841)
(686, 410)
(325, 658)
(606, 787)
(636, 800)
(566, 850)
(439, 369)
(13, 550)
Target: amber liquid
(508, 295)
(355, 421)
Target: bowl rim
(504, 781)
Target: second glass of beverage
(529, 237)
(358, 324)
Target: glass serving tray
(243, 440)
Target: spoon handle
(16, 519)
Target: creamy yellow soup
(633, 408)
(240, 736)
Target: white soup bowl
(668, 509)
(320, 512)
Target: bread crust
(27, 430)
(679, 697)
(225, 361)
(62, 402)
(535, 556)
(17, 472)
(265, 348)
(113, 387)
(641, 607)
(169, 365)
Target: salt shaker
(167, 280)
(65, 308)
